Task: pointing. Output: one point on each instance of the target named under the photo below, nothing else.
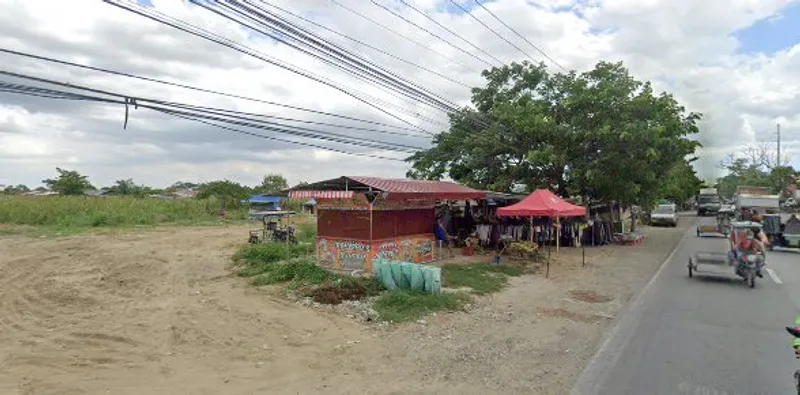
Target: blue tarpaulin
(265, 199)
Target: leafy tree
(680, 183)
(755, 166)
(229, 192)
(16, 189)
(273, 183)
(129, 188)
(600, 134)
(68, 182)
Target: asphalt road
(709, 335)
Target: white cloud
(684, 46)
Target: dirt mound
(333, 294)
(589, 296)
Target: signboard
(344, 254)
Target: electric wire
(466, 11)
(235, 116)
(398, 34)
(522, 37)
(432, 33)
(374, 48)
(318, 47)
(209, 36)
(215, 92)
(430, 18)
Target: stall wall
(352, 254)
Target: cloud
(685, 47)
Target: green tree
(600, 134)
(230, 193)
(68, 182)
(754, 166)
(129, 188)
(681, 182)
(273, 183)
(16, 189)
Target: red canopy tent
(542, 203)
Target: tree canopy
(16, 189)
(755, 166)
(68, 182)
(129, 188)
(601, 134)
(273, 183)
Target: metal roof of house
(264, 199)
(344, 187)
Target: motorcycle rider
(796, 342)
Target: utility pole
(779, 145)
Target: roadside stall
(361, 219)
(543, 203)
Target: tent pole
(558, 234)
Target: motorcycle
(750, 268)
(795, 331)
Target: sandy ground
(157, 312)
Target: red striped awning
(321, 194)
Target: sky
(734, 61)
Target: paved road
(708, 335)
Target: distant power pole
(779, 145)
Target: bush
(299, 272)
(259, 258)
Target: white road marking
(774, 276)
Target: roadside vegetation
(295, 267)
(75, 212)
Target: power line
(466, 11)
(319, 48)
(522, 37)
(396, 33)
(198, 89)
(229, 116)
(374, 48)
(211, 91)
(431, 33)
(209, 36)
(450, 31)
(19, 90)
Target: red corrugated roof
(438, 189)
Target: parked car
(665, 214)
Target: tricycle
(721, 228)
(273, 226)
(751, 262)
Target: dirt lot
(157, 312)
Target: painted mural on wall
(359, 255)
(343, 254)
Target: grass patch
(406, 305)
(69, 214)
(299, 272)
(307, 233)
(481, 279)
(256, 259)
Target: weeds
(481, 279)
(407, 305)
(76, 212)
(299, 272)
(307, 233)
